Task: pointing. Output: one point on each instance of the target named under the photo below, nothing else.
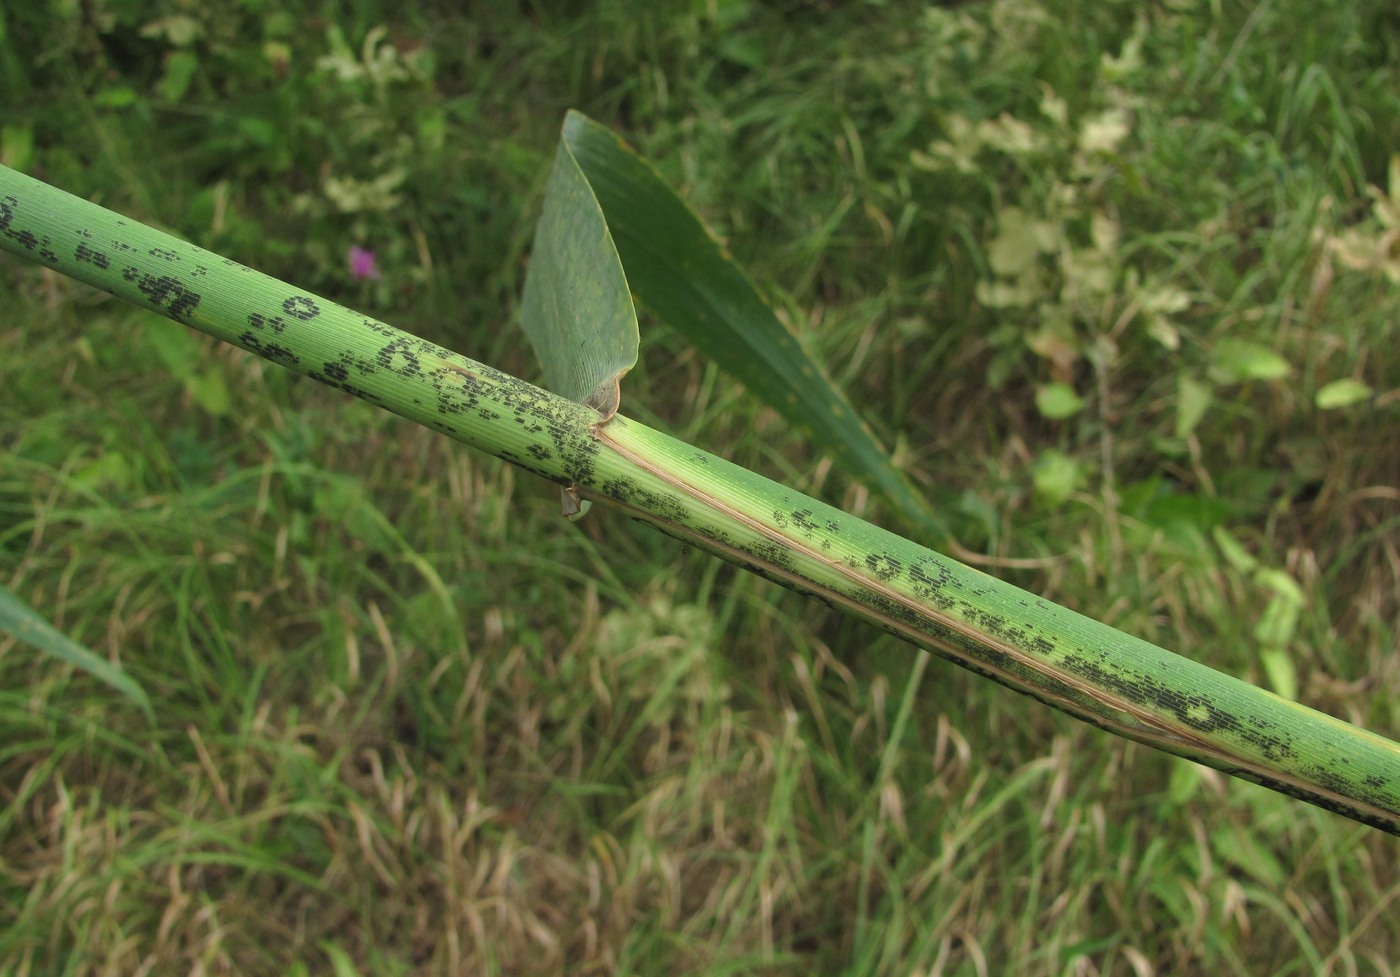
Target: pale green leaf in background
(1233, 550)
(1236, 360)
(1342, 393)
(1282, 673)
(1276, 626)
(1020, 241)
(1058, 401)
(1056, 476)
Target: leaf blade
(679, 268)
(25, 624)
(577, 309)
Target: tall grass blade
(27, 625)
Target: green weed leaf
(679, 269)
(1341, 393)
(1056, 476)
(180, 68)
(25, 624)
(577, 309)
(1237, 360)
(1058, 401)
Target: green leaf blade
(25, 624)
(577, 309)
(679, 269)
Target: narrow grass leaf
(678, 268)
(1237, 847)
(26, 624)
(1282, 673)
(341, 964)
(577, 309)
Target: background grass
(409, 721)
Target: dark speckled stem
(1074, 663)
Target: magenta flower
(362, 263)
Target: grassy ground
(1094, 269)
